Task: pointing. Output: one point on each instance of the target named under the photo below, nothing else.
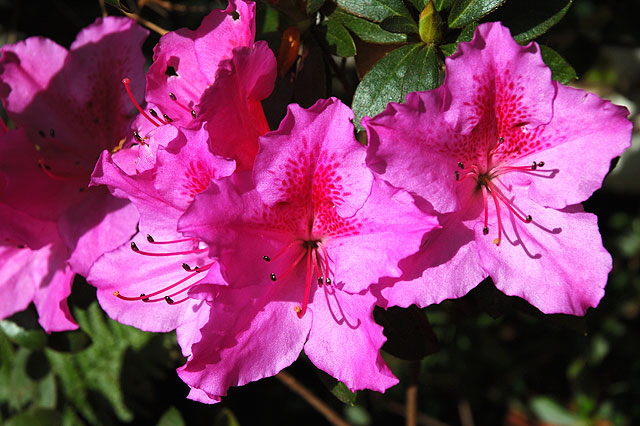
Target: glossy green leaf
(399, 24)
(464, 12)
(419, 4)
(36, 417)
(561, 71)
(374, 10)
(171, 417)
(20, 335)
(528, 20)
(313, 6)
(125, 5)
(339, 38)
(365, 30)
(406, 69)
(441, 5)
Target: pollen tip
(172, 96)
(126, 80)
(166, 117)
(116, 293)
(153, 112)
(528, 218)
(541, 164)
(328, 281)
(460, 164)
(457, 173)
(320, 280)
(134, 246)
(298, 310)
(485, 230)
(496, 242)
(186, 267)
(273, 276)
(150, 238)
(266, 258)
(193, 114)
(144, 299)
(168, 300)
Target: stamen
(307, 284)
(184, 240)
(47, 171)
(507, 202)
(181, 105)
(127, 82)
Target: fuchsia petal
(581, 147)
(557, 262)
(231, 108)
(253, 333)
(324, 164)
(186, 61)
(415, 127)
(99, 224)
(494, 68)
(83, 100)
(391, 229)
(345, 341)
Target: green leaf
(419, 4)
(464, 12)
(465, 35)
(20, 335)
(226, 418)
(408, 332)
(128, 6)
(399, 24)
(375, 10)
(442, 4)
(36, 417)
(549, 411)
(561, 71)
(171, 417)
(365, 30)
(340, 38)
(406, 69)
(337, 388)
(313, 6)
(528, 20)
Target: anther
(541, 164)
(500, 140)
(528, 219)
(153, 112)
(172, 96)
(138, 137)
(41, 133)
(320, 280)
(534, 166)
(150, 238)
(460, 165)
(485, 230)
(52, 133)
(457, 173)
(193, 113)
(168, 300)
(186, 267)
(328, 281)
(144, 299)
(266, 258)
(134, 246)
(167, 118)
(273, 276)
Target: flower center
(486, 178)
(178, 287)
(317, 266)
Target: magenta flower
(216, 77)
(159, 265)
(299, 242)
(69, 111)
(504, 155)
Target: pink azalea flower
(504, 155)
(69, 111)
(159, 264)
(299, 242)
(216, 77)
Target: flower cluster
(256, 245)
